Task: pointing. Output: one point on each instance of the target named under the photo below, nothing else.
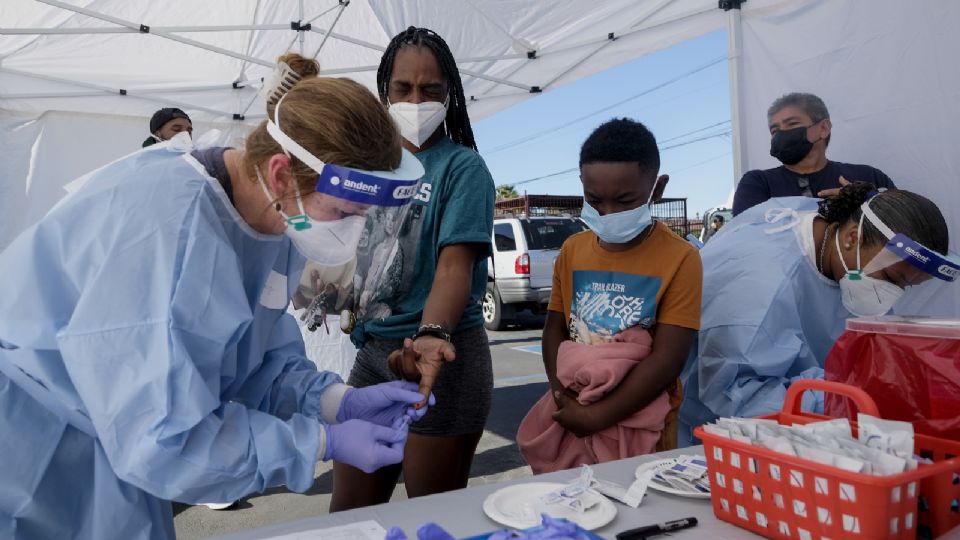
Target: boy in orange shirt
(627, 270)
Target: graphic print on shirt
(400, 274)
(607, 303)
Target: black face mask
(790, 146)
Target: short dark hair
(161, 117)
(812, 105)
(622, 140)
(457, 122)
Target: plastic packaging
(909, 366)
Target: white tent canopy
(79, 79)
(126, 57)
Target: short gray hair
(809, 103)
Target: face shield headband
(900, 247)
(374, 188)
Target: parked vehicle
(723, 212)
(520, 272)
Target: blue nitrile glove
(364, 445)
(395, 533)
(383, 403)
(432, 531)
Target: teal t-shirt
(453, 205)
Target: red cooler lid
(913, 325)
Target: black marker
(640, 533)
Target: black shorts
(463, 389)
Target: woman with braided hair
(435, 333)
(782, 278)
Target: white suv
(520, 272)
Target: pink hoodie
(593, 371)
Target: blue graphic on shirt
(606, 303)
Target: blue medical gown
(768, 318)
(138, 302)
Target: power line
(671, 139)
(662, 148)
(537, 135)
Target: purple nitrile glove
(415, 414)
(380, 404)
(364, 445)
(432, 531)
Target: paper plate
(665, 464)
(519, 507)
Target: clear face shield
(905, 261)
(348, 232)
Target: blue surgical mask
(621, 227)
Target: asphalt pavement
(518, 383)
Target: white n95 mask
(862, 295)
(418, 121)
(330, 243)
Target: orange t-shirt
(602, 293)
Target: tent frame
(594, 45)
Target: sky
(691, 112)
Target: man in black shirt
(800, 132)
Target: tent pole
(146, 30)
(153, 29)
(348, 39)
(734, 54)
(499, 80)
(326, 36)
(610, 38)
(300, 32)
(114, 91)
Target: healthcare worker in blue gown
(782, 278)
(145, 353)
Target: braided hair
(903, 211)
(457, 123)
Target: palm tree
(506, 191)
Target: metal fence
(541, 205)
(673, 213)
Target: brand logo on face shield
(917, 255)
(363, 187)
(404, 192)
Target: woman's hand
(421, 360)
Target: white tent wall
(39, 154)
(888, 73)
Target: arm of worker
(751, 191)
(288, 383)
(745, 371)
(152, 374)
(647, 380)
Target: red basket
(780, 496)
